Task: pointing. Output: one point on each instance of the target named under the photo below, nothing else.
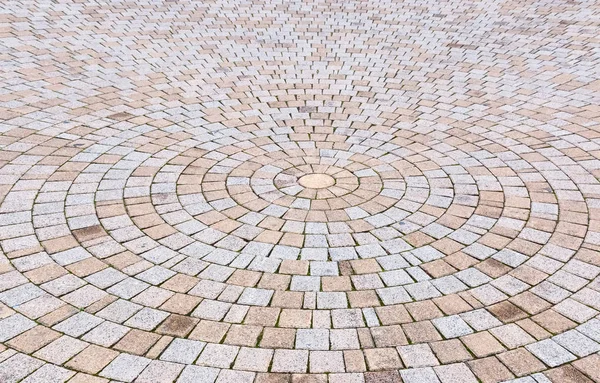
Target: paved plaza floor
(274, 191)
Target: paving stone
(255, 297)
(521, 362)
(125, 368)
(78, 324)
(331, 300)
(565, 374)
(119, 311)
(34, 339)
(290, 361)
(252, 359)
(457, 372)
(61, 350)
(147, 319)
(346, 378)
(326, 361)
(591, 329)
(49, 373)
(490, 370)
(512, 336)
(137, 342)
(452, 326)
(159, 371)
(480, 319)
(577, 343)
(418, 375)
(183, 351)
(312, 339)
(13, 326)
(229, 376)
(588, 366)
(193, 374)
(18, 367)
(92, 359)
(106, 334)
(382, 359)
(217, 355)
(550, 352)
(343, 339)
(418, 355)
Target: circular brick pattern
(266, 192)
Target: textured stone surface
(268, 191)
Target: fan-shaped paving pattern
(284, 192)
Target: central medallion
(316, 181)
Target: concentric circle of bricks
(315, 191)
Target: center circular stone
(316, 181)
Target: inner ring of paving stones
(310, 197)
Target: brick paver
(283, 191)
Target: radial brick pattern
(318, 191)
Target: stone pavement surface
(282, 191)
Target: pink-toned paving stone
(267, 191)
